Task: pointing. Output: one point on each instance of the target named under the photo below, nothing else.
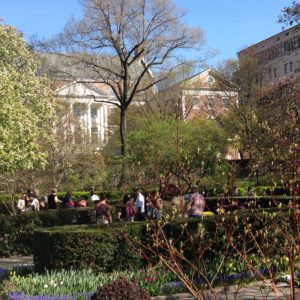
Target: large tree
(26, 107)
(73, 162)
(245, 78)
(123, 43)
(177, 152)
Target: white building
(91, 102)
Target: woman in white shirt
(21, 205)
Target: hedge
(103, 249)
(16, 232)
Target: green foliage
(26, 105)
(61, 283)
(106, 249)
(16, 232)
(103, 249)
(187, 150)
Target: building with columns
(278, 55)
(91, 102)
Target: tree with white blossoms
(26, 108)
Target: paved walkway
(10, 262)
(257, 291)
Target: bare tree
(73, 156)
(123, 43)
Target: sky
(229, 25)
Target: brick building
(278, 55)
(203, 96)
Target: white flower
(45, 286)
(54, 284)
(61, 283)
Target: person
(68, 201)
(250, 191)
(42, 202)
(103, 214)
(197, 203)
(235, 192)
(34, 203)
(94, 197)
(52, 199)
(83, 201)
(22, 203)
(154, 205)
(139, 205)
(128, 210)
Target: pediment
(80, 89)
(205, 79)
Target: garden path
(13, 261)
(257, 291)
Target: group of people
(137, 208)
(31, 201)
(140, 208)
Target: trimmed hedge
(105, 248)
(16, 232)
(213, 203)
(101, 248)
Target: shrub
(120, 290)
(16, 232)
(106, 249)
(103, 249)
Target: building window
(225, 101)
(291, 67)
(196, 102)
(287, 46)
(270, 74)
(94, 113)
(210, 102)
(285, 68)
(275, 73)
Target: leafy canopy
(26, 105)
(185, 150)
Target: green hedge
(16, 232)
(103, 249)
(213, 203)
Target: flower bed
(79, 284)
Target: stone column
(89, 119)
(102, 128)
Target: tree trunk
(123, 131)
(123, 146)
